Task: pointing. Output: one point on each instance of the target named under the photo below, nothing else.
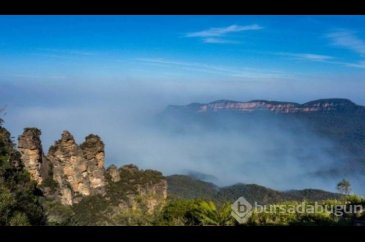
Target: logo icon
(241, 210)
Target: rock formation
(93, 153)
(30, 148)
(71, 172)
(78, 170)
(113, 173)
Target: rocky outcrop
(113, 173)
(321, 105)
(144, 190)
(71, 172)
(30, 148)
(93, 153)
(78, 170)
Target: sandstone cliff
(30, 148)
(78, 170)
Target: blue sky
(49, 46)
(186, 47)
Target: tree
(344, 187)
(176, 212)
(208, 213)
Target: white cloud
(211, 35)
(360, 64)
(325, 59)
(216, 69)
(218, 41)
(309, 56)
(314, 57)
(215, 32)
(348, 40)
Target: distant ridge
(320, 105)
(187, 187)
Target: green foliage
(96, 210)
(19, 219)
(177, 212)
(311, 195)
(200, 212)
(131, 180)
(49, 182)
(7, 203)
(331, 212)
(19, 203)
(90, 211)
(133, 218)
(287, 214)
(58, 214)
(355, 199)
(252, 193)
(195, 212)
(208, 213)
(186, 187)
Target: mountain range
(324, 137)
(338, 119)
(187, 187)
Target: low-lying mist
(263, 150)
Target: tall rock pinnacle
(30, 148)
